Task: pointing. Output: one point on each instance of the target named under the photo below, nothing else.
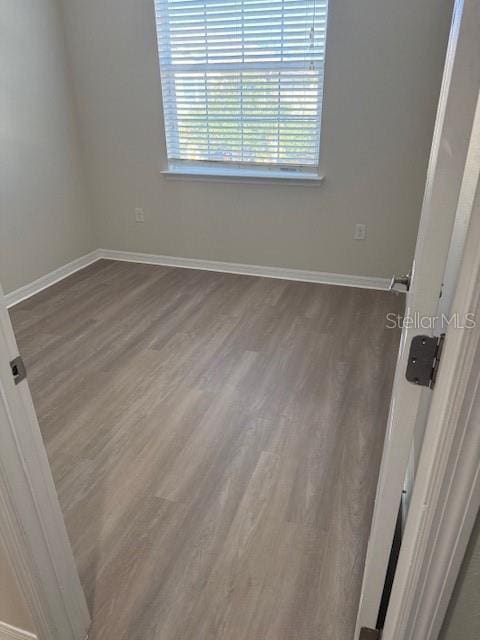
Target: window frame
(224, 170)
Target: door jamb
(461, 54)
(446, 495)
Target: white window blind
(242, 80)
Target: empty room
(237, 238)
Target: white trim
(321, 277)
(7, 632)
(16, 296)
(363, 282)
(191, 171)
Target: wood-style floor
(215, 442)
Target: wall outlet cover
(139, 215)
(360, 232)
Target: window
(242, 81)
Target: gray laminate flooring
(215, 441)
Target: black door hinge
(19, 371)
(424, 360)
(370, 634)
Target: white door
(431, 268)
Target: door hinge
(370, 634)
(19, 371)
(424, 360)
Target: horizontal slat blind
(242, 80)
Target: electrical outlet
(360, 232)
(139, 215)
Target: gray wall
(463, 616)
(384, 65)
(45, 217)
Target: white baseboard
(364, 282)
(344, 280)
(7, 632)
(16, 296)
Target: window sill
(238, 174)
